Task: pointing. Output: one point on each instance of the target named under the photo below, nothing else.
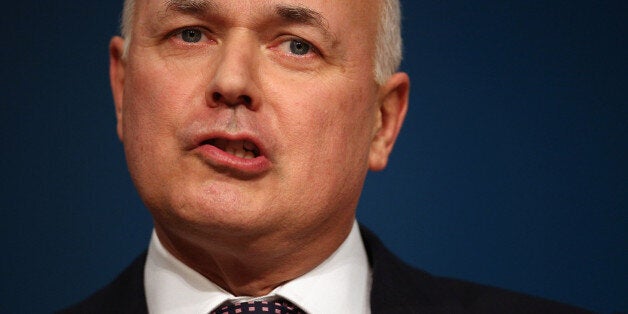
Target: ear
(116, 77)
(393, 105)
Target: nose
(234, 80)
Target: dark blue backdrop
(511, 169)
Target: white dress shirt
(341, 284)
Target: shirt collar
(337, 285)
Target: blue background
(511, 169)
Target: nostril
(246, 99)
(220, 99)
(216, 96)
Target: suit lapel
(397, 287)
(125, 295)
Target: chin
(220, 214)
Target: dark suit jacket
(397, 288)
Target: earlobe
(116, 77)
(392, 111)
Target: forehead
(343, 14)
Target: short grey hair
(388, 45)
(126, 24)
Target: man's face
(250, 115)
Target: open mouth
(239, 148)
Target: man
(248, 128)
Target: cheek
(344, 118)
(158, 95)
(328, 153)
(156, 102)
(329, 124)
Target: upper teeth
(242, 149)
(249, 146)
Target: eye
(191, 35)
(297, 47)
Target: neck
(254, 266)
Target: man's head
(256, 120)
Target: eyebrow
(189, 7)
(300, 15)
(294, 14)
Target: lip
(226, 162)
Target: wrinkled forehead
(338, 15)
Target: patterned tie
(279, 306)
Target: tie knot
(279, 306)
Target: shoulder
(398, 286)
(487, 299)
(123, 295)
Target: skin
(319, 119)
